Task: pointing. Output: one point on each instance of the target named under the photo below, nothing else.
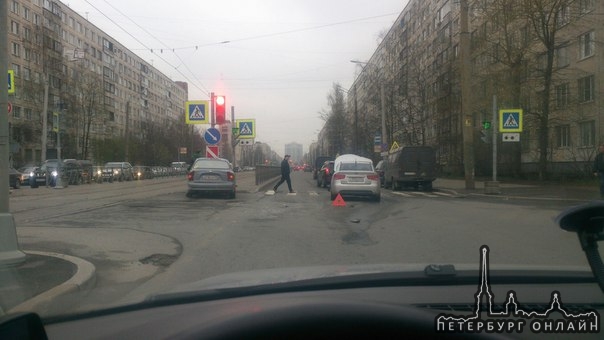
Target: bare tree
(337, 127)
(545, 18)
(84, 94)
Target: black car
(319, 163)
(325, 173)
(49, 174)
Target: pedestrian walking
(598, 168)
(285, 170)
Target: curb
(85, 275)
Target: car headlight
(98, 172)
(31, 174)
(54, 173)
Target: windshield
(482, 142)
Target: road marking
(423, 194)
(313, 193)
(401, 194)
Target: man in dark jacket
(285, 170)
(598, 168)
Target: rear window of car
(357, 166)
(210, 164)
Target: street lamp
(382, 95)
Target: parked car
(122, 171)
(318, 164)
(142, 172)
(324, 176)
(97, 174)
(380, 168)
(14, 178)
(87, 172)
(209, 175)
(355, 176)
(411, 166)
(74, 171)
(49, 173)
(25, 173)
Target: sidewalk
(42, 277)
(523, 189)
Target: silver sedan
(355, 176)
(211, 175)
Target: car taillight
(338, 176)
(230, 176)
(327, 171)
(373, 177)
(190, 175)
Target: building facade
(548, 66)
(88, 85)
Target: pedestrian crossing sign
(510, 120)
(197, 112)
(247, 128)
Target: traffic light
(486, 125)
(220, 107)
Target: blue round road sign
(212, 136)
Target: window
(564, 16)
(562, 59)
(586, 6)
(562, 136)
(586, 89)
(586, 45)
(17, 112)
(16, 49)
(29, 114)
(562, 95)
(588, 133)
(14, 27)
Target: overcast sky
(274, 60)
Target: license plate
(356, 179)
(209, 177)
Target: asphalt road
(147, 237)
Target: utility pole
(126, 151)
(383, 100)
(9, 247)
(467, 119)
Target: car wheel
(333, 196)
(395, 185)
(189, 194)
(377, 198)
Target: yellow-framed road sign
(197, 112)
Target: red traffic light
(220, 105)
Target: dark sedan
(324, 175)
(211, 175)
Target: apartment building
(417, 67)
(96, 88)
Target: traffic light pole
(9, 247)
(492, 187)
